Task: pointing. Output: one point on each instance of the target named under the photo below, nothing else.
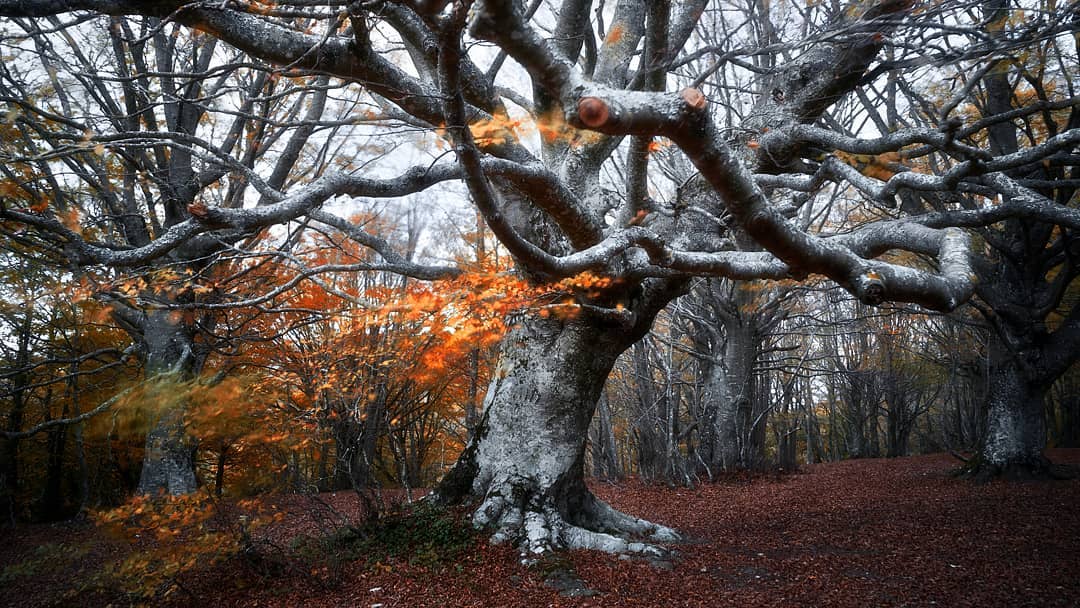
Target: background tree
(733, 325)
(1019, 102)
(126, 131)
(61, 365)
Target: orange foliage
(877, 166)
(615, 35)
(171, 535)
(370, 350)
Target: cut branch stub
(870, 287)
(199, 211)
(694, 98)
(206, 215)
(593, 112)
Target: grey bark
(719, 437)
(560, 230)
(651, 420)
(168, 462)
(731, 322)
(1026, 352)
(526, 464)
(171, 355)
(605, 463)
(1016, 421)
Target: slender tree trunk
(219, 469)
(760, 410)
(787, 451)
(647, 422)
(80, 447)
(15, 415)
(1069, 430)
(323, 482)
(675, 469)
(813, 439)
(834, 419)
(52, 503)
(472, 413)
(526, 464)
(472, 401)
(605, 464)
(873, 442)
(356, 443)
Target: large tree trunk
(526, 463)
(169, 459)
(1016, 423)
(722, 450)
(738, 412)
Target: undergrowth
(172, 545)
(424, 535)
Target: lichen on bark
(525, 468)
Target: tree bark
(19, 382)
(720, 405)
(526, 463)
(739, 412)
(605, 464)
(168, 462)
(1016, 424)
(356, 447)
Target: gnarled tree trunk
(1016, 423)
(525, 464)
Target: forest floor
(897, 532)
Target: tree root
(539, 529)
(1034, 469)
(960, 457)
(598, 515)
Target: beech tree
(732, 322)
(1023, 94)
(112, 132)
(619, 82)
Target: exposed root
(980, 470)
(540, 529)
(959, 456)
(574, 537)
(603, 516)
